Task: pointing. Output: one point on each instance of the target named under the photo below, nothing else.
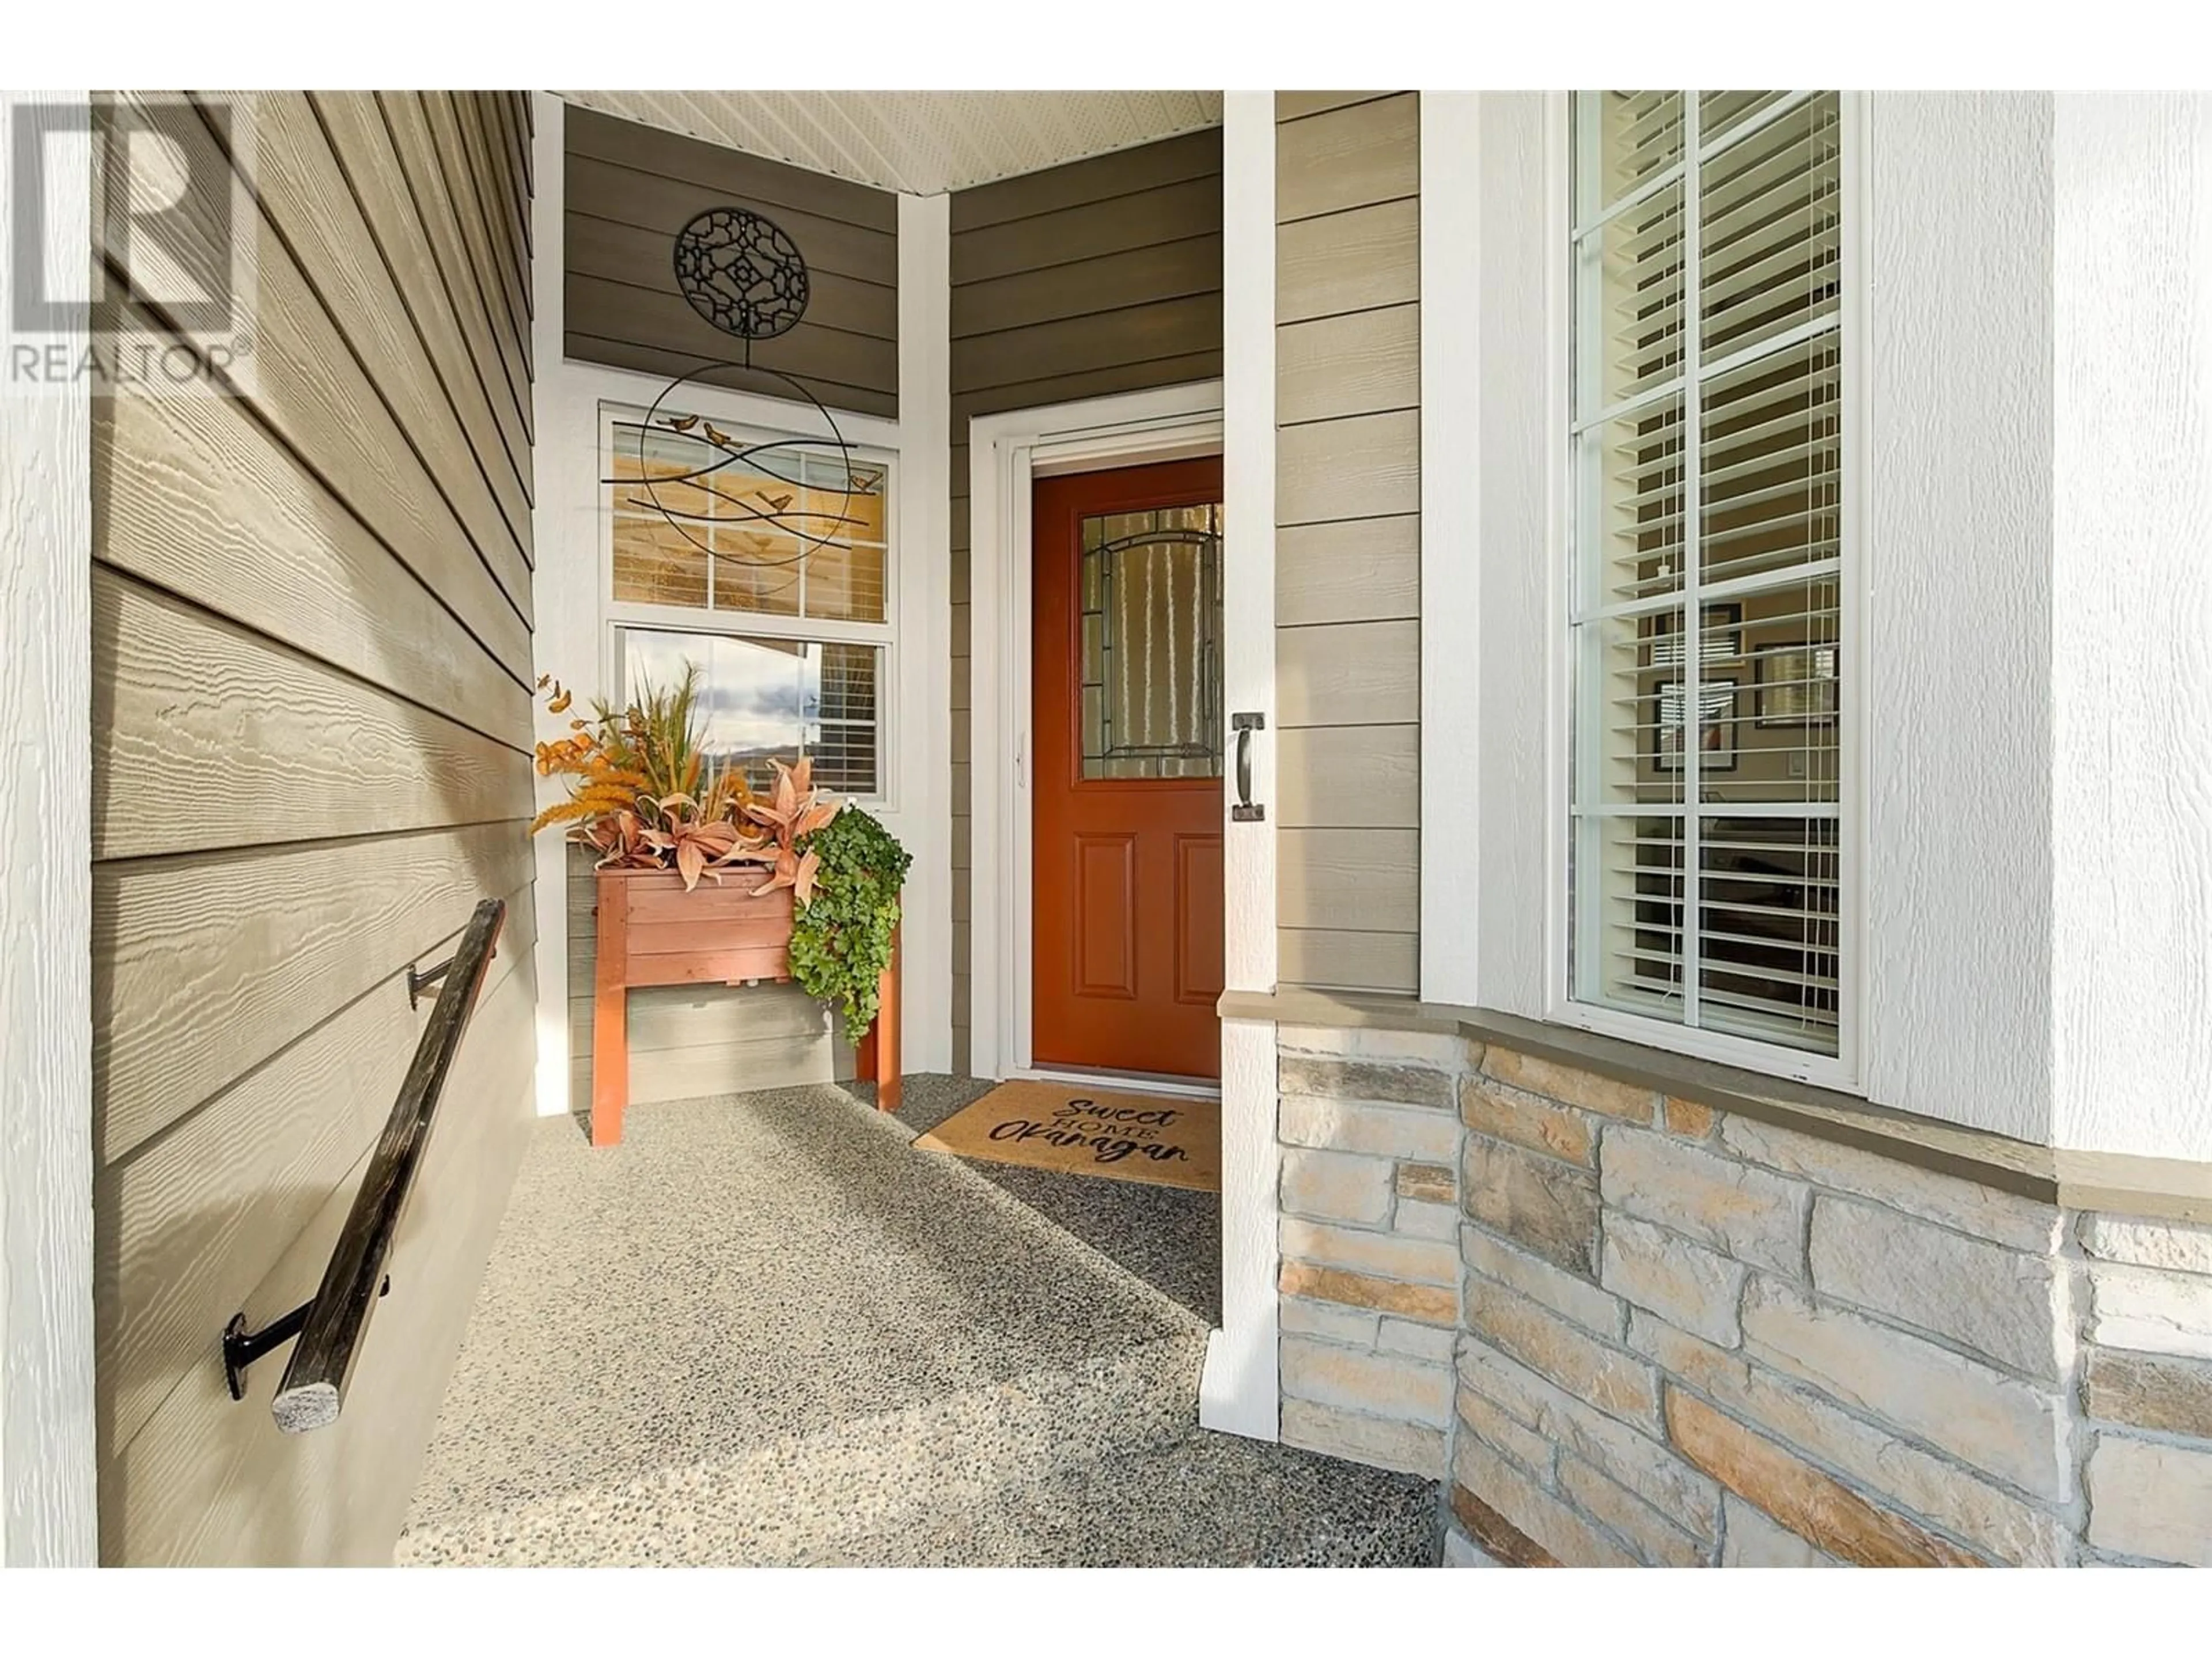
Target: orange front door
(1126, 665)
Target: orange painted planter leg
(611, 1017)
(878, 1057)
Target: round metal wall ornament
(741, 273)
(746, 277)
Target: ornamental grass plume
(644, 795)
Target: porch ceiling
(920, 141)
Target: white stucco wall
(2035, 368)
(1957, 613)
(2131, 641)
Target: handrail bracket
(420, 980)
(241, 1348)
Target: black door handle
(1245, 811)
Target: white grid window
(1706, 866)
(773, 575)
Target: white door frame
(1007, 453)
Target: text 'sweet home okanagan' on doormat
(1080, 1131)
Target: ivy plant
(841, 937)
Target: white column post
(1238, 1391)
(2130, 625)
(48, 1486)
(925, 635)
(565, 591)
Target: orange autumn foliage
(643, 795)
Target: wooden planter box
(652, 932)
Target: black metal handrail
(330, 1326)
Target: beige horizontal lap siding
(1081, 281)
(1347, 538)
(311, 646)
(631, 189)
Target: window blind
(764, 561)
(1706, 617)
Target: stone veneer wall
(1370, 1276)
(1670, 1335)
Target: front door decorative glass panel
(1151, 643)
(1126, 665)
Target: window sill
(2171, 1189)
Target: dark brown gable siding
(1100, 276)
(632, 188)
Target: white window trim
(575, 640)
(1478, 805)
(894, 784)
(1559, 564)
(1843, 1070)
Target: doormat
(1090, 1132)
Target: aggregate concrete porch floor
(1169, 1238)
(768, 1330)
